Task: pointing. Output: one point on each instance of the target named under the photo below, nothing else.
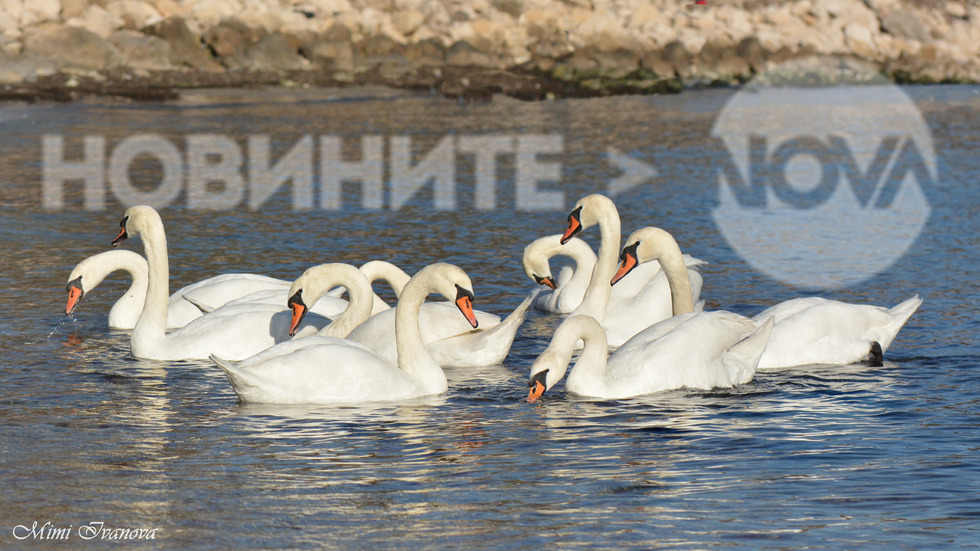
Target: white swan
(450, 344)
(645, 308)
(340, 371)
(810, 330)
(316, 282)
(89, 273)
(330, 304)
(690, 349)
(568, 289)
(695, 350)
(233, 331)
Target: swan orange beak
(299, 309)
(464, 301)
(75, 294)
(627, 262)
(537, 384)
(574, 225)
(547, 281)
(123, 235)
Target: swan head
(451, 282)
(134, 221)
(588, 211)
(643, 245)
(75, 293)
(315, 282)
(535, 261)
(552, 364)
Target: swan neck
(394, 276)
(153, 319)
(597, 295)
(413, 357)
(675, 270)
(358, 307)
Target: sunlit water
(817, 457)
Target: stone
(9, 26)
(426, 52)
(380, 45)
(751, 50)
(210, 12)
(36, 12)
(186, 49)
(677, 57)
(407, 22)
(905, 24)
(98, 20)
(331, 55)
(338, 32)
(859, 40)
(464, 53)
(231, 37)
(71, 47)
(134, 14)
(274, 53)
(140, 51)
(72, 8)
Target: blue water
(851, 457)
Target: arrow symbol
(633, 174)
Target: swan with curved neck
(340, 371)
(650, 305)
(314, 284)
(701, 350)
(810, 330)
(234, 331)
(569, 287)
(89, 273)
(690, 349)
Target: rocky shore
(528, 49)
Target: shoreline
(66, 50)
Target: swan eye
(297, 298)
(628, 251)
(575, 214)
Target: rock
(134, 14)
(859, 40)
(905, 24)
(186, 49)
(9, 26)
(331, 55)
(231, 37)
(140, 51)
(380, 45)
(36, 12)
(338, 32)
(274, 53)
(97, 20)
(678, 58)
(15, 69)
(72, 8)
(407, 22)
(751, 50)
(426, 53)
(545, 53)
(210, 12)
(463, 53)
(71, 47)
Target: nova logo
(824, 187)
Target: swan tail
(241, 381)
(516, 318)
(204, 308)
(900, 314)
(742, 358)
